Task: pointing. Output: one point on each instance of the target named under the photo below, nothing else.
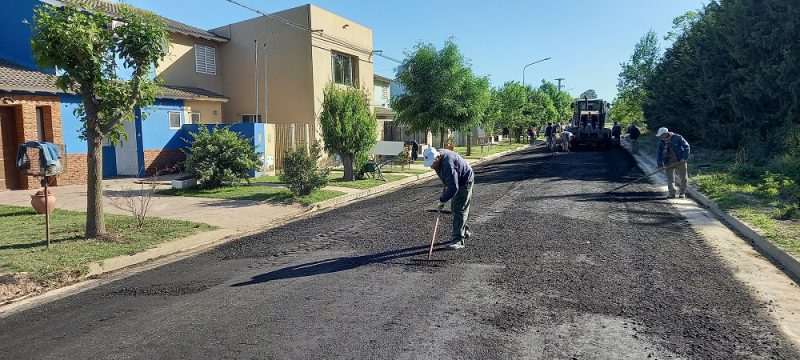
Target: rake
(639, 179)
(429, 260)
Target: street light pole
(559, 83)
(526, 66)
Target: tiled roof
(14, 77)
(189, 93)
(384, 113)
(113, 9)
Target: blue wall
(156, 134)
(15, 42)
(72, 125)
(253, 132)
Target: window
(342, 69)
(40, 124)
(174, 120)
(194, 118)
(250, 118)
(205, 59)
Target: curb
(788, 263)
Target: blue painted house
(32, 108)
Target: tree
(441, 92)
(348, 126)
(633, 80)
(562, 101)
(591, 94)
(85, 47)
(221, 157)
(511, 106)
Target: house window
(250, 118)
(205, 59)
(40, 124)
(342, 69)
(174, 120)
(194, 118)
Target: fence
(290, 137)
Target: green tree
(86, 48)
(562, 102)
(633, 80)
(511, 106)
(591, 94)
(441, 91)
(220, 157)
(348, 126)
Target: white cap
(662, 131)
(430, 155)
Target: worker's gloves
(440, 206)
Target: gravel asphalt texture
(557, 269)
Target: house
(208, 77)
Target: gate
(290, 137)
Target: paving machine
(589, 123)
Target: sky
(586, 40)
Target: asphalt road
(557, 269)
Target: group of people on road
(456, 174)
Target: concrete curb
(789, 264)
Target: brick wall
(164, 160)
(76, 170)
(26, 127)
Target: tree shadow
(333, 265)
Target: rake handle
(433, 239)
(637, 180)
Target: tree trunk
(95, 220)
(348, 161)
(469, 143)
(441, 139)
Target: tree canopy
(634, 78)
(89, 50)
(441, 91)
(348, 126)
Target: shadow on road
(328, 266)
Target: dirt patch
(13, 286)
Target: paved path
(557, 269)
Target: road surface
(557, 269)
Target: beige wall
(290, 90)
(178, 68)
(206, 110)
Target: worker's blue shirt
(454, 172)
(679, 146)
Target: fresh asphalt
(557, 269)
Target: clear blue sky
(586, 39)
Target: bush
(301, 172)
(221, 157)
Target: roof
(189, 93)
(382, 112)
(15, 77)
(113, 9)
(383, 78)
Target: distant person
(414, 150)
(633, 135)
(548, 135)
(566, 136)
(531, 135)
(616, 131)
(672, 157)
(458, 178)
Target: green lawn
(758, 194)
(22, 246)
(407, 170)
(256, 193)
(335, 179)
(487, 150)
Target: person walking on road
(531, 136)
(633, 135)
(414, 149)
(673, 157)
(548, 135)
(616, 131)
(458, 178)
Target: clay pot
(38, 201)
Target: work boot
(682, 196)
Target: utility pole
(255, 77)
(559, 83)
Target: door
(9, 175)
(127, 154)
